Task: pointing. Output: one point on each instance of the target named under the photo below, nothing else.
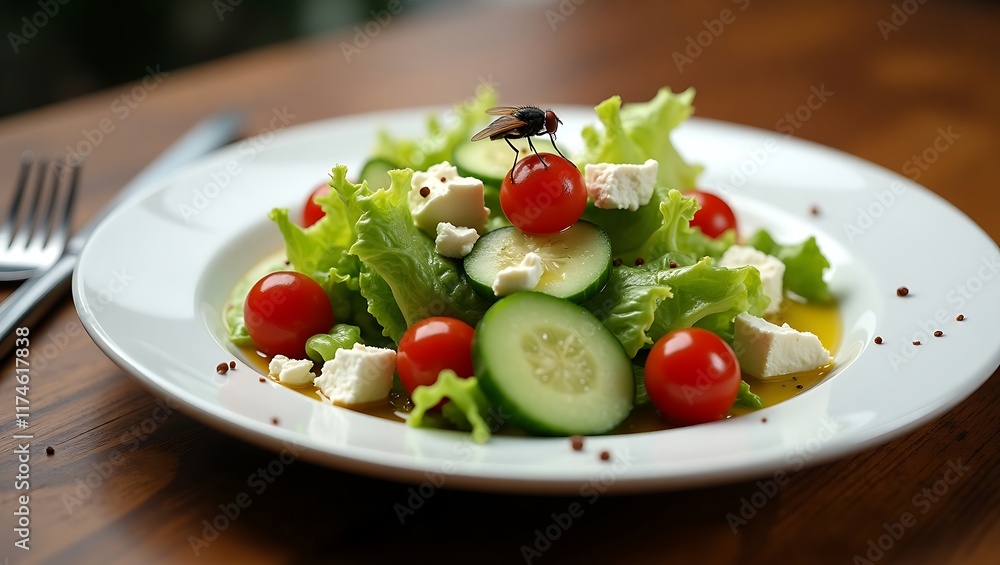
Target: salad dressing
(820, 319)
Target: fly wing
(500, 125)
(503, 110)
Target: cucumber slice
(376, 172)
(577, 261)
(552, 366)
(490, 162)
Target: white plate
(153, 278)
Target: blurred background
(59, 49)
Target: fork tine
(40, 236)
(62, 223)
(7, 230)
(23, 234)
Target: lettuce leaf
(746, 398)
(642, 304)
(422, 282)
(466, 409)
(641, 131)
(440, 140)
(804, 265)
(323, 347)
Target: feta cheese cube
(524, 276)
(449, 198)
(772, 271)
(455, 242)
(615, 186)
(359, 375)
(294, 372)
(767, 350)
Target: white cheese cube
(294, 372)
(455, 242)
(449, 198)
(772, 271)
(524, 276)
(615, 186)
(768, 350)
(359, 375)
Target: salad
(557, 298)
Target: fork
(34, 233)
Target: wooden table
(155, 474)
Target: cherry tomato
(692, 376)
(543, 200)
(283, 310)
(431, 345)
(715, 216)
(312, 212)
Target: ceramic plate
(153, 279)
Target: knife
(36, 296)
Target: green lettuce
(660, 227)
(642, 304)
(641, 131)
(466, 409)
(804, 265)
(746, 398)
(422, 282)
(323, 347)
(440, 140)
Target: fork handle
(34, 298)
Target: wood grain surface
(131, 479)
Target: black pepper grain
(798, 386)
(444, 179)
(274, 421)
(960, 317)
(639, 261)
(576, 442)
(605, 456)
(50, 450)
(232, 364)
(263, 380)
(617, 262)
(424, 191)
(814, 210)
(673, 265)
(878, 340)
(222, 368)
(902, 291)
(763, 420)
(916, 343)
(938, 333)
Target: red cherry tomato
(312, 212)
(283, 310)
(692, 376)
(715, 216)
(431, 345)
(543, 200)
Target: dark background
(87, 45)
